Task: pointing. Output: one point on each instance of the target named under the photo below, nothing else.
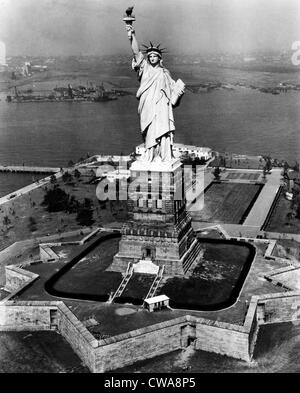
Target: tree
(6, 221)
(56, 200)
(88, 203)
(216, 173)
(67, 177)
(268, 164)
(53, 179)
(70, 163)
(289, 217)
(73, 205)
(297, 207)
(32, 224)
(77, 174)
(285, 168)
(264, 173)
(85, 216)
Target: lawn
(238, 162)
(19, 210)
(136, 289)
(228, 202)
(215, 281)
(279, 220)
(242, 176)
(88, 278)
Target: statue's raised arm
(157, 95)
(133, 40)
(129, 19)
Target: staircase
(124, 282)
(156, 282)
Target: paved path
(28, 188)
(263, 203)
(279, 235)
(233, 230)
(28, 169)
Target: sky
(95, 27)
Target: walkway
(262, 205)
(29, 188)
(28, 169)
(232, 230)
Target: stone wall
(128, 348)
(47, 254)
(145, 343)
(80, 339)
(155, 340)
(26, 315)
(16, 278)
(280, 307)
(125, 349)
(251, 324)
(222, 338)
(35, 316)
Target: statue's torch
(129, 19)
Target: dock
(27, 169)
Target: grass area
(238, 162)
(100, 287)
(227, 202)
(242, 176)
(88, 277)
(37, 352)
(215, 281)
(17, 214)
(136, 289)
(280, 220)
(85, 279)
(112, 321)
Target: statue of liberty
(157, 95)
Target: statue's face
(153, 59)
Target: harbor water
(241, 121)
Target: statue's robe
(154, 94)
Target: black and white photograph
(149, 189)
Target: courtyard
(228, 202)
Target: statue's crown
(154, 49)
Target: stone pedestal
(159, 227)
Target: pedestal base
(159, 229)
(173, 267)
